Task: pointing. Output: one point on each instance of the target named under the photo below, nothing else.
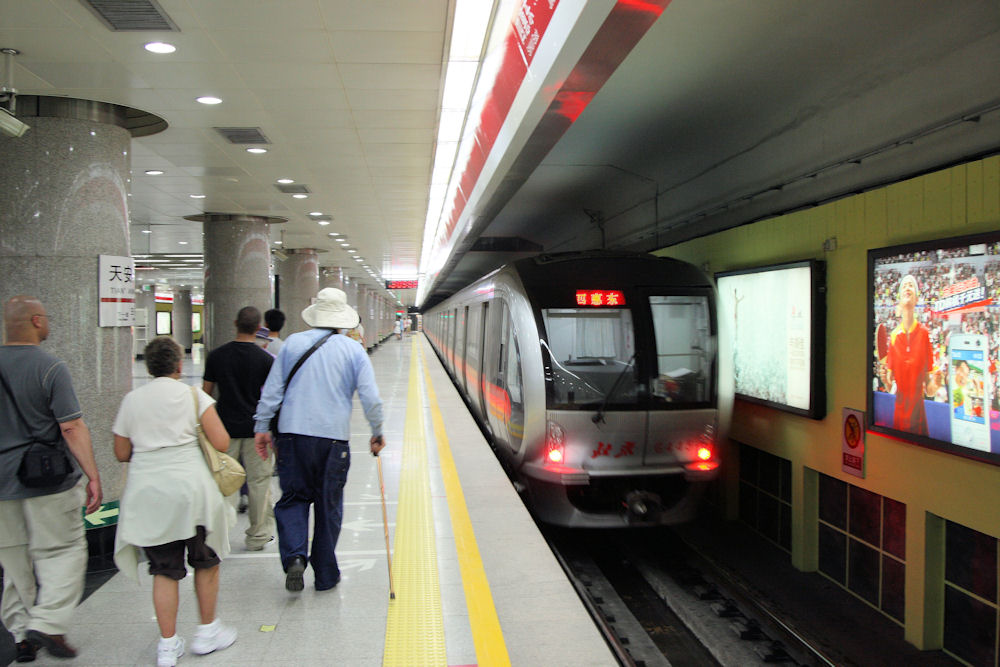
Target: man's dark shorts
(168, 559)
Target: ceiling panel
(369, 46)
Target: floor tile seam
(488, 636)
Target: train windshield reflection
(684, 348)
(591, 352)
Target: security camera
(10, 125)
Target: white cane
(385, 523)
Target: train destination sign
(599, 297)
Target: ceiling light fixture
(316, 213)
(285, 181)
(182, 243)
(160, 47)
(146, 231)
(209, 99)
(300, 195)
(256, 151)
(324, 222)
(154, 172)
(197, 196)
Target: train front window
(592, 353)
(684, 348)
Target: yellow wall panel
(974, 193)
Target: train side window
(684, 348)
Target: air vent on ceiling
(131, 15)
(293, 188)
(243, 135)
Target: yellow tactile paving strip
(414, 631)
(487, 637)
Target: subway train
(593, 375)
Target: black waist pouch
(43, 466)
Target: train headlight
(555, 443)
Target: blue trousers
(312, 471)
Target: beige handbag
(226, 471)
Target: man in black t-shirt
(238, 370)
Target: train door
(452, 335)
(480, 392)
(473, 356)
(460, 352)
(515, 391)
(497, 399)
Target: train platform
(473, 581)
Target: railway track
(660, 603)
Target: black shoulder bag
(273, 426)
(44, 464)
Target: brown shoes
(55, 644)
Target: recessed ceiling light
(160, 47)
(182, 242)
(278, 242)
(299, 195)
(285, 181)
(154, 172)
(324, 222)
(256, 151)
(352, 251)
(358, 259)
(316, 213)
(208, 99)
(196, 196)
(147, 231)
(345, 244)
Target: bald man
(42, 546)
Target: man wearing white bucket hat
(311, 447)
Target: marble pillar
(332, 276)
(237, 271)
(180, 317)
(299, 286)
(63, 203)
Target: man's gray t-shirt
(43, 389)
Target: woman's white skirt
(169, 492)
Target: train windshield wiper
(599, 417)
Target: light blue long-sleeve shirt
(319, 400)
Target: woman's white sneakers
(169, 650)
(212, 637)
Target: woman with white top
(171, 503)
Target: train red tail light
(705, 460)
(555, 448)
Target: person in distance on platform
(275, 320)
(171, 504)
(43, 550)
(238, 370)
(313, 455)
